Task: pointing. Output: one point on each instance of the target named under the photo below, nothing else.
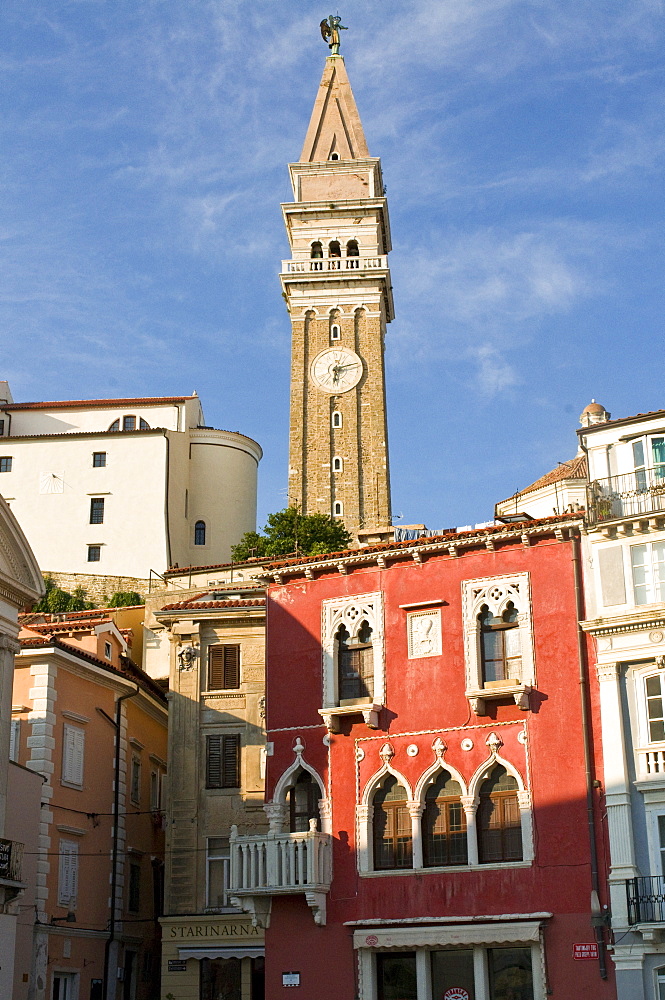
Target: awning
(221, 951)
(446, 935)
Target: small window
(303, 802)
(396, 976)
(115, 426)
(352, 248)
(129, 423)
(655, 713)
(334, 156)
(94, 553)
(97, 510)
(223, 761)
(648, 564)
(2, 427)
(317, 250)
(134, 894)
(99, 459)
(200, 533)
(392, 827)
(223, 667)
(336, 419)
(334, 249)
(143, 425)
(355, 665)
(219, 864)
(108, 651)
(6, 464)
(338, 508)
(500, 651)
(135, 785)
(338, 465)
(499, 826)
(335, 332)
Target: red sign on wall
(581, 951)
(456, 993)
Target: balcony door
(64, 986)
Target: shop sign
(290, 979)
(456, 993)
(581, 951)
(177, 965)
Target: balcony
(280, 864)
(11, 861)
(636, 495)
(327, 264)
(646, 904)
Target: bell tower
(338, 293)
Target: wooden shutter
(68, 873)
(14, 739)
(213, 761)
(231, 761)
(72, 754)
(223, 667)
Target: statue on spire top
(330, 29)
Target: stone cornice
(632, 622)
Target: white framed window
(649, 461)
(660, 983)
(353, 658)
(337, 464)
(135, 783)
(498, 640)
(15, 740)
(73, 752)
(336, 419)
(335, 332)
(338, 508)
(648, 568)
(68, 873)
(108, 651)
(218, 859)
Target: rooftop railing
(327, 264)
(633, 494)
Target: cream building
(120, 487)
(20, 585)
(214, 645)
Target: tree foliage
(125, 599)
(56, 601)
(288, 532)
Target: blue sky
(143, 154)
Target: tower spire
(335, 125)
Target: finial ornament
(330, 29)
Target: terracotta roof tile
(576, 468)
(194, 604)
(79, 403)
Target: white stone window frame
(416, 647)
(351, 611)
(470, 798)
(496, 592)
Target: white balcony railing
(326, 264)
(650, 762)
(280, 862)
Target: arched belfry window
(317, 250)
(352, 248)
(444, 823)
(391, 826)
(303, 799)
(500, 648)
(355, 665)
(200, 533)
(334, 248)
(499, 825)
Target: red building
(436, 829)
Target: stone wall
(99, 589)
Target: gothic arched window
(444, 823)
(304, 797)
(499, 825)
(500, 648)
(200, 533)
(355, 665)
(391, 826)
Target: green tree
(125, 598)
(57, 601)
(288, 531)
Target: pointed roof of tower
(335, 125)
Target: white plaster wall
(99, 418)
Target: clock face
(336, 369)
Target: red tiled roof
(194, 604)
(621, 420)
(576, 468)
(78, 403)
(449, 536)
(180, 570)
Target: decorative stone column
(470, 807)
(526, 821)
(277, 815)
(415, 811)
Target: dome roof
(594, 407)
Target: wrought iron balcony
(11, 860)
(646, 899)
(280, 863)
(634, 494)
(327, 264)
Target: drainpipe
(597, 921)
(114, 850)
